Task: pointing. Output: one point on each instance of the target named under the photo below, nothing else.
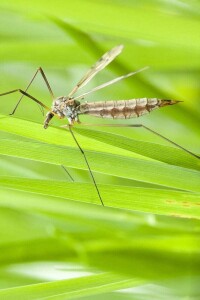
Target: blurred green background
(144, 243)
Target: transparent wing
(110, 82)
(97, 67)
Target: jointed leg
(91, 174)
(47, 84)
(27, 95)
(177, 145)
(147, 128)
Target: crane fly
(71, 107)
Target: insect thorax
(66, 107)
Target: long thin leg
(66, 171)
(177, 145)
(47, 84)
(32, 98)
(91, 174)
(147, 128)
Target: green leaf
(70, 289)
(170, 155)
(158, 201)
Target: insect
(71, 107)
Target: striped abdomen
(123, 109)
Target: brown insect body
(123, 109)
(69, 107)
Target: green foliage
(145, 242)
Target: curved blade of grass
(166, 202)
(167, 154)
(14, 166)
(71, 288)
(54, 135)
(69, 215)
(136, 169)
(153, 172)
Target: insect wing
(97, 67)
(99, 87)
